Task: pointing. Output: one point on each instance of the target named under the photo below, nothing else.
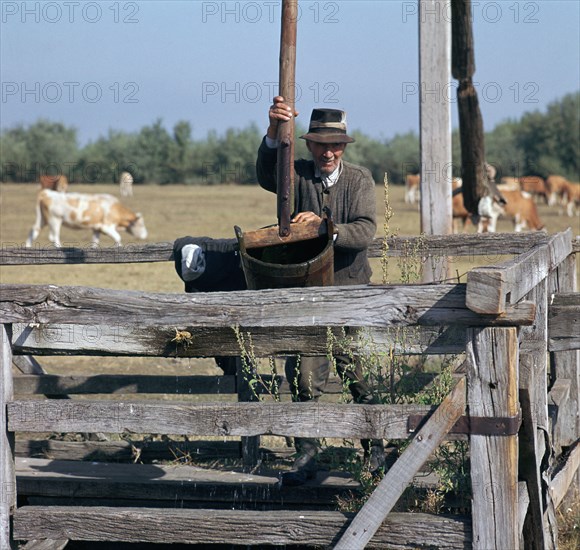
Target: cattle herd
(102, 213)
(515, 201)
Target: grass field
(175, 211)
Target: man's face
(326, 156)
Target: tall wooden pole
(435, 128)
(287, 86)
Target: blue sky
(123, 64)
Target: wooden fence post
(565, 368)
(492, 381)
(7, 469)
(435, 128)
(540, 528)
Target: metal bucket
(302, 263)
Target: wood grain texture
(564, 322)
(492, 374)
(355, 306)
(434, 131)
(7, 468)
(157, 341)
(235, 527)
(469, 245)
(217, 419)
(490, 289)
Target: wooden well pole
(287, 87)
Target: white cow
(126, 184)
(100, 212)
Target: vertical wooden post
(435, 127)
(540, 526)
(492, 381)
(7, 469)
(565, 365)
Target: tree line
(539, 143)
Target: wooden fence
(516, 322)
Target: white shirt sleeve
(192, 262)
(271, 143)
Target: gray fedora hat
(327, 126)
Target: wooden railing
(505, 318)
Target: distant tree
(503, 152)
(551, 140)
(42, 148)
(103, 160)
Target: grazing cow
(520, 208)
(56, 183)
(458, 207)
(412, 188)
(572, 194)
(536, 186)
(557, 187)
(100, 212)
(126, 184)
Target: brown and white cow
(536, 186)
(520, 208)
(100, 212)
(56, 183)
(557, 187)
(572, 196)
(412, 188)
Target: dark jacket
(352, 203)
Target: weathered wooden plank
(176, 483)
(434, 133)
(564, 322)
(490, 289)
(366, 523)
(374, 306)
(269, 236)
(565, 365)
(7, 470)
(470, 245)
(119, 451)
(492, 374)
(232, 527)
(531, 452)
(561, 481)
(217, 419)
(133, 340)
(129, 253)
(27, 364)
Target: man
(349, 192)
